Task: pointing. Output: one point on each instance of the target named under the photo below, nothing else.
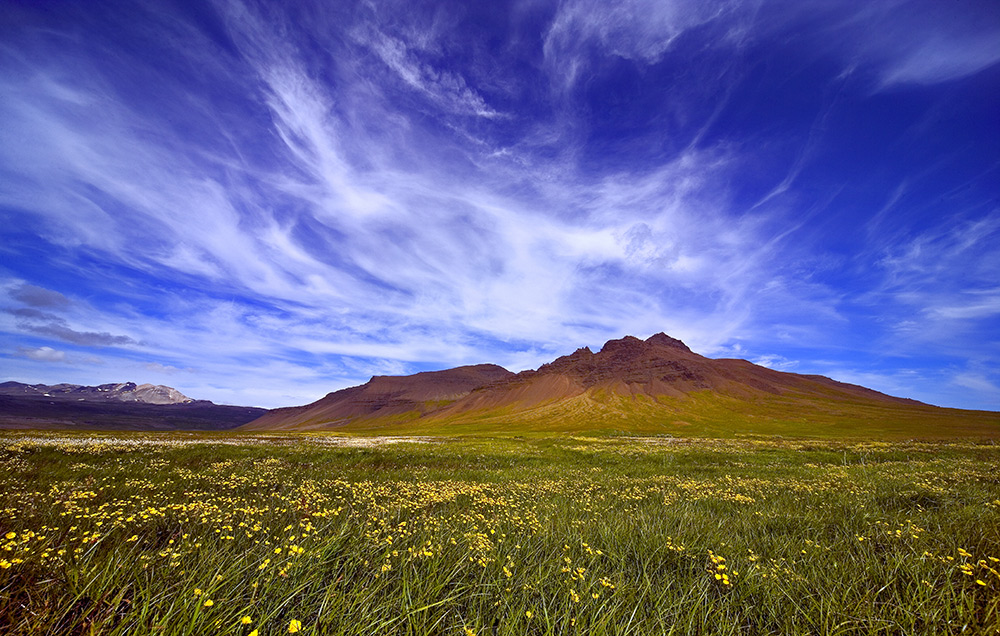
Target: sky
(261, 202)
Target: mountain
(385, 397)
(652, 386)
(122, 406)
(122, 392)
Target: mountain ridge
(114, 406)
(120, 391)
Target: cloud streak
(35, 296)
(378, 191)
(42, 354)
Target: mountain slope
(397, 397)
(653, 386)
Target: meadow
(253, 535)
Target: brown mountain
(385, 397)
(648, 386)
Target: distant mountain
(122, 406)
(653, 386)
(122, 392)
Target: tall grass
(224, 534)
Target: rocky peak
(626, 345)
(562, 362)
(631, 344)
(580, 354)
(119, 387)
(663, 340)
(159, 394)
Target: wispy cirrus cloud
(317, 213)
(446, 89)
(940, 59)
(979, 381)
(945, 277)
(640, 30)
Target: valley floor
(251, 535)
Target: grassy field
(252, 535)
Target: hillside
(385, 398)
(653, 386)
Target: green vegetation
(238, 534)
(698, 414)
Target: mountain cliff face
(657, 385)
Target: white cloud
(901, 41)
(937, 57)
(164, 369)
(447, 89)
(42, 354)
(898, 383)
(774, 361)
(978, 304)
(977, 382)
(945, 278)
(408, 265)
(335, 244)
(641, 30)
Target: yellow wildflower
(209, 603)
(294, 626)
(246, 620)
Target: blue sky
(259, 203)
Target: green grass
(699, 414)
(547, 534)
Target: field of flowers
(252, 535)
